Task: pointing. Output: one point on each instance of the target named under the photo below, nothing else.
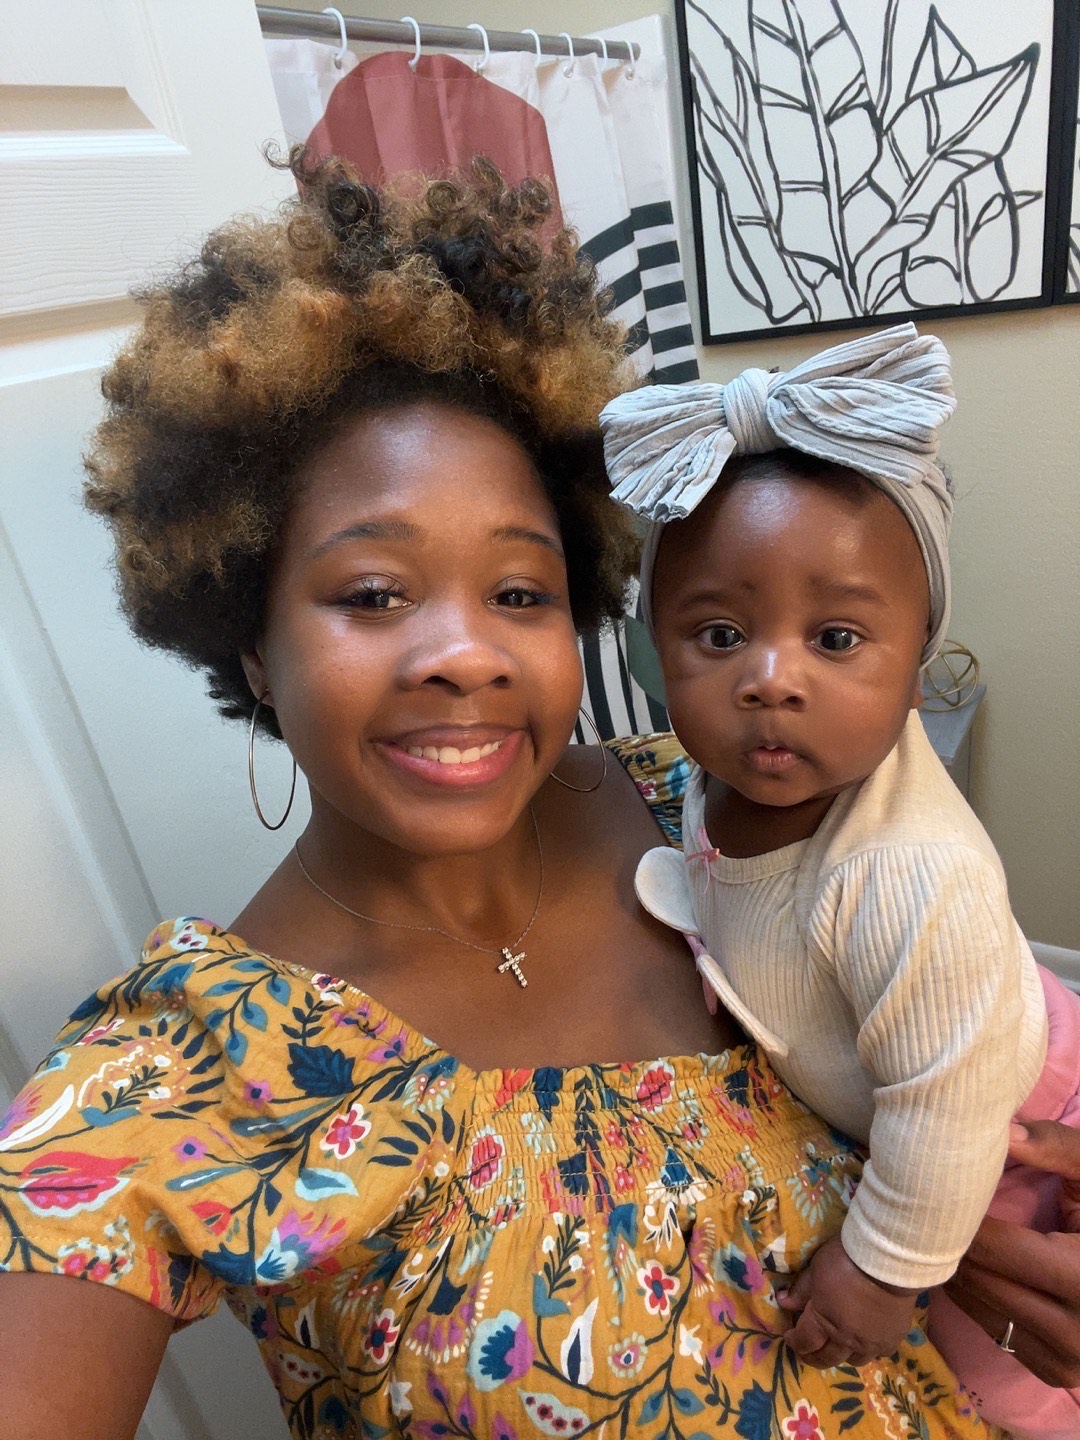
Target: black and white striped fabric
(638, 260)
(636, 253)
(613, 696)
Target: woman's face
(418, 649)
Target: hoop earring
(251, 773)
(587, 789)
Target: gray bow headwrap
(874, 405)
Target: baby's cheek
(699, 722)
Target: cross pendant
(511, 964)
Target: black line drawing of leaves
(991, 222)
(971, 252)
(812, 89)
(730, 142)
(932, 270)
(885, 73)
(937, 139)
(941, 58)
(833, 201)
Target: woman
(352, 468)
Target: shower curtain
(600, 133)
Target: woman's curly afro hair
(453, 290)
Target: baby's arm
(926, 951)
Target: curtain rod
(450, 37)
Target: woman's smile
(467, 760)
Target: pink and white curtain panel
(599, 132)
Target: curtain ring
(630, 62)
(408, 20)
(340, 56)
(569, 70)
(536, 38)
(603, 45)
(481, 65)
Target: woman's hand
(1014, 1274)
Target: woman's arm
(78, 1359)
(1012, 1273)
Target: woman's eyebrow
(532, 537)
(406, 530)
(369, 530)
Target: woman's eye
(837, 639)
(721, 637)
(519, 597)
(378, 595)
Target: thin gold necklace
(511, 962)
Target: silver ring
(1003, 1343)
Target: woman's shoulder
(301, 1032)
(660, 769)
(190, 971)
(205, 1119)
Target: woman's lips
(471, 760)
(771, 759)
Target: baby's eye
(721, 637)
(836, 639)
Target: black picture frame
(1067, 105)
(956, 234)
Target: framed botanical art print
(864, 161)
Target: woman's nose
(459, 650)
(771, 676)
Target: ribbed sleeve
(930, 971)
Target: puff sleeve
(215, 1122)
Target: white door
(127, 129)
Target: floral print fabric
(424, 1250)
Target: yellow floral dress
(425, 1250)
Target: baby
(844, 902)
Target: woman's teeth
(450, 755)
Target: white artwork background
(796, 231)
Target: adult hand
(1014, 1274)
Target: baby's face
(790, 621)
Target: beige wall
(1014, 449)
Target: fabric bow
(874, 405)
